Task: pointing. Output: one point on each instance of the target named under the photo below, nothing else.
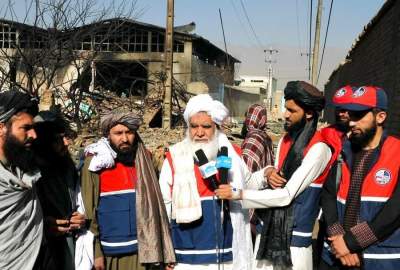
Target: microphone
(207, 169)
(224, 163)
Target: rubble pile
(156, 139)
(102, 102)
(275, 130)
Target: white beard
(209, 148)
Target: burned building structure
(121, 55)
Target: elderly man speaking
(123, 201)
(205, 233)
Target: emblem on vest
(359, 92)
(382, 177)
(341, 92)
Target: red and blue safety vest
(306, 205)
(377, 188)
(116, 212)
(207, 240)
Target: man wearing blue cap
(361, 207)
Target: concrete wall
(238, 101)
(277, 108)
(374, 60)
(211, 75)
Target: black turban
(13, 102)
(52, 123)
(277, 231)
(305, 95)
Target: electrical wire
(298, 30)
(326, 35)
(251, 25)
(309, 45)
(238, 16)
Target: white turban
(205, 103)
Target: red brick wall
(375, 60)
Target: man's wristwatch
(236, 193)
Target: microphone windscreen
(224, 151)
(223, 172)
(201, 157)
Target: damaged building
(119, 55)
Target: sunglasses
(357, 115)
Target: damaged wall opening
(123, 78)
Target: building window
(179, 46)
(257, 81)
(134, 40)
(8, 36)
(158, 41)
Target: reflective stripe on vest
(203, 241)
(116, 212)
(306, 207)
(377, 188)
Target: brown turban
(128, 119)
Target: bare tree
(53, 36)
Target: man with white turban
(205, 234)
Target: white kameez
(314, 163)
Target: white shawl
(186, 204)
(21, 219)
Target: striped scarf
(257, 146)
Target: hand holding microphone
(224, 163)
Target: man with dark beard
(336, 134)
(362, 208)
(21, 222)
(123, 201)
(58, 191)
(302, 162)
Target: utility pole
(268, 59)
(316, 44)
(169, 54)
(223, 34)
(309, 66)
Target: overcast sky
(282, 24)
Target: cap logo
(359, 92)
(340, 92)
(383, 176)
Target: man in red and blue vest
(123, 201)
(206, 234)
(336, 134)
(361, 207)
(292, 191)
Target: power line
(238, 16)
(326, 35)
(298, 30)
(251, 26)
(309, 45)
